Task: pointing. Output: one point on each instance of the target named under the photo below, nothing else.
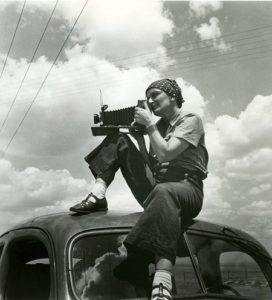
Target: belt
(174, 174)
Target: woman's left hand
(143, 116)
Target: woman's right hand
(137, 135)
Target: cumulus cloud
(256, 190)
(59, 122)
(241, 158)
(254, 164)
(115, 29)
(31, 192)
(57, 131)
(230, 137)
(214, 205)
(60, 119)
(194, 101)
(211, 34)
(202, 8)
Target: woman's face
(159, 101)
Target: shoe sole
(88, 212)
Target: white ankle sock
(164, 277)
(99, 189)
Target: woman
(170, 193)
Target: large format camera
(114, 120)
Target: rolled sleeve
(189, 128)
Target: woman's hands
(143, 116)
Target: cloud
(56, 134)
(230, 137)
(211, 34)
(256, 190)
(30, 192)
(254, 164)
(114, 28)
(59, 121)
(132, 31)
(194, 101)
(240, 173)
(202, 8)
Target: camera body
(112, 121)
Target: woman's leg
(118, 151)
(158, 230)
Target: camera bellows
(124, 116)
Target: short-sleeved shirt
(187, 126)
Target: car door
(27, 269)
(94, 255)
(231, 267)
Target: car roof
(66, 225)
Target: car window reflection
(227, 268)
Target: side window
(185, 280)
(94, 259)
(240, 272)
(227, 269)
(28, 275)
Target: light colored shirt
(187, 126)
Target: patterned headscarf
(170, 87)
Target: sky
(219, 53)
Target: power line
(192, 43)
(41, 86)
(175, 72)
(29, 65)
(199, 48)
(196, 49)
(191, 61)
(12, 40)
(178, 71)
(188, 66)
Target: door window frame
(74, 239)
(26, 234)
(228, 239)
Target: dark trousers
(165, 204)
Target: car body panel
(73, 224)
(59, 230)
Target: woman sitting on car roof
(167, 181)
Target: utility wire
(14, 34)
(29, 65)
(200, 57)
(232, 60)
(192, 43)
(187, 66)
(41, 86)
(186, 52)
(174, 71)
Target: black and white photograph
(135, 150)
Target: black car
(66, 256)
